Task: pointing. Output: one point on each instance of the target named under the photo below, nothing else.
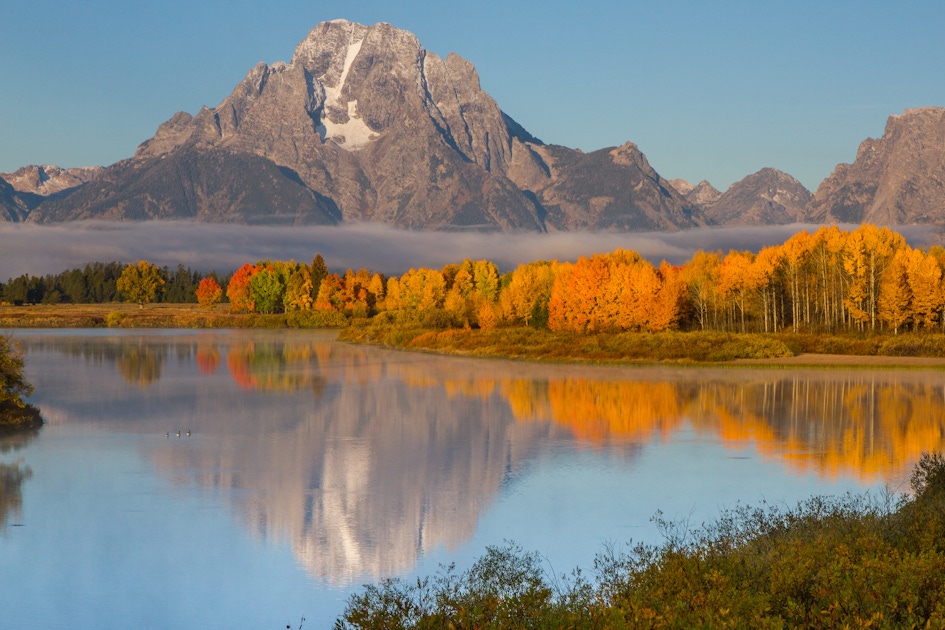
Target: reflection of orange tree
(830, 427)
(844, 426)
(596, 410)
(277, 367)
(208, 358)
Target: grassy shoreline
(787, 350)
(783, 349)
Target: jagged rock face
(897, 179)
(701, 194)
(768, 197)
(31, 185)
(46, 180)
(377, 129)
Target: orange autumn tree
(239, 292)
(209, 292)
(619, 291)
(669, 301)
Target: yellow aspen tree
(868, 251)
(670, 299)
(895, 296)
(140, 283)
(763, 269)
(392, 300)
(559, 306)
(925, 284)
(701, 274)
(298, 291)
(735, 281)
(797, 255)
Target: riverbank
(702, 347)
(918, 351)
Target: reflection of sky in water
(315, 465)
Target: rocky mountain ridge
(896, 179)
(365, 125)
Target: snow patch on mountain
(355, 133)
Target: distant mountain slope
(206, 184)
(897, 179)
(38, 182)
(768, 197)
(701, 194)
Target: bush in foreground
(850, 562)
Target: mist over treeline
(40, 250)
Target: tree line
(830, 280)
(97, 283)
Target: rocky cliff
(895, 180)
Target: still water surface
(313, 466)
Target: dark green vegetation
(850, 562)
(15, 414)
(95, 284)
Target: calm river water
(312, 466)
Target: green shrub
(847, 562)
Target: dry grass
(123, 315)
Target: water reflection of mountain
(365, 459)
(320, 444)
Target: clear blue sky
(708, 90)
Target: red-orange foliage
(208, 292)
(239, 292)
(208, 358)
(615, 292)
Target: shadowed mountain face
(364, 124)
(12, 207)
